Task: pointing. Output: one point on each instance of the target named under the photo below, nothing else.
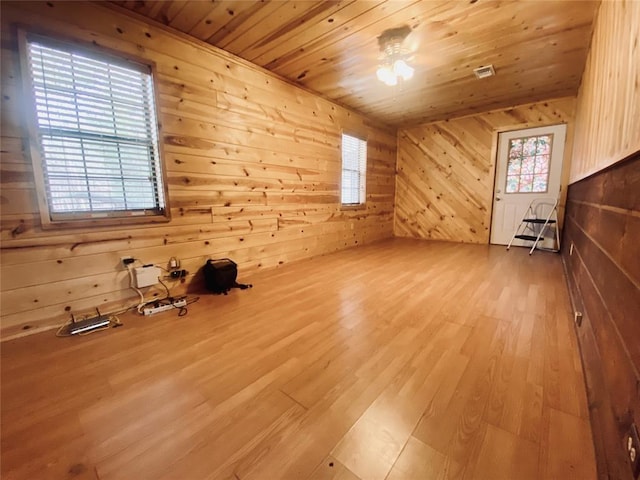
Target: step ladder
(540, 219)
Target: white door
(529, 167)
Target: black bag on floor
(220, 276)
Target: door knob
(498, 199)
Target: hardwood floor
(399, 360)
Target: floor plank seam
(399, 454)
(306, 409)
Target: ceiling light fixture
(394, 67)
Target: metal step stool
(540, 218)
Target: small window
(528, 164)
(354, 170)
(97, 151)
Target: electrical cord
(165, 287)
(182, 311)
(59, 332)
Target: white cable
(142, 301)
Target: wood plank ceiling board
(538, 49)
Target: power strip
(177, 303)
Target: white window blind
(96, 124)
(354, 170)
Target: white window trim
(92, 218)
(360, 170)
(548, 173)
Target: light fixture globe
(402, 69)
(394, 67)
(386, 75)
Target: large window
(96, 151)
(528, 164)
(354, 170)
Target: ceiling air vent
(484, 72)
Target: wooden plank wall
(446, 170)
(253, 170)
(603, 225)
(608, 106)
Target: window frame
(548, 173)
(85, 219)
(362, 174)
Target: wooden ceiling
(537, 47)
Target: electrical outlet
(178, 274)
(577, 317)
(633, 450)
(127, 260)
